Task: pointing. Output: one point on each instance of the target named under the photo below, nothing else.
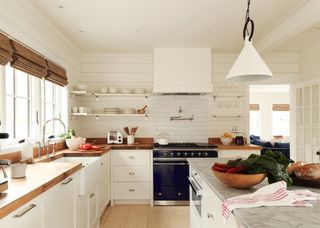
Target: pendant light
(249, 66)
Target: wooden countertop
(238, 147)
(39, 178)
(136, 146)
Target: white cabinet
(29, 215)
(104, 185)
(236, 153)
(60, 204)
(131, 176)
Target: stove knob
(199, 154)
(171, 154)
(185, 154)
(192, 154)
(206, 154)
(179, 193)
(164, 154)
(160, 194)
(178, 154)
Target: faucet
(44, 132)
(3, 163)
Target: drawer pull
(67, 181)
(29, 208)
(210, 216)
(132, 173)
(91, 195)
(132, 157)
(132, 190)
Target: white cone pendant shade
(249, 66)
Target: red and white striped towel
(275, 194)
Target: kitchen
(105, 69)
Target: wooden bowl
(239, 180)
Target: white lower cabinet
(29, 215)
(131, 176)
(104, 185)
(60, 204)
(211, 215)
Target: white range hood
(182, 70)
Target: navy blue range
(171, 170)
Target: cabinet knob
(131, 190)
(131, 173)
(210, 216)
(132, 157)
(25, 211)
(91, 195)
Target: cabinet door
(93, 208)
(29, 215)
(104, 183)
(131, 157)
(60, 204)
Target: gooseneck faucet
(44, 132)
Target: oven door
(170, 181)
(195, 196)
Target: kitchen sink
(89, 172)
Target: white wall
(135, 70)
(310, 67)
(265, 101)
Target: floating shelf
(238, 96)
(96, 94)
(109, 115)
(228, 115)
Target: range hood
(182, 71)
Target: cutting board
(305, 183)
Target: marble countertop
(266, 217)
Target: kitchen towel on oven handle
(275, 194)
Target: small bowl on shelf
(82, 87)
(242, 181)
(226, 141)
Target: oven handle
(196, 188)
(170, 163)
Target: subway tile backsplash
(165, 106)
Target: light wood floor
(143, 216)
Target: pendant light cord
(248, 20)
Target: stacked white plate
(111, 110)
(139, 91)
(128, 111)
(126, 91)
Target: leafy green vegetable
(273, 163)
(68, 135)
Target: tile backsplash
(165, 106)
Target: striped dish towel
(275, 194)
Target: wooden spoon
(126, 130)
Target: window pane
(9, 79)
(9, 116)
(48, 91)
(48, 116)
(255, 123)
(280, 123)
(22, 118)
(21, 81)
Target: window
(280, 123)
(29, 102)
(255, 127)
(17, 104)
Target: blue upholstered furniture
(283, 148)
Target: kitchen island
(265, 217)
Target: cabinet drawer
(132, 190)
(131, 173)
(131, 157)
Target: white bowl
(74, 144)
(82, 87)
(113, 89)
(103, 89)
(226, 141)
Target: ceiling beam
(305, 16)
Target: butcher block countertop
(238, 147)
(39, 178)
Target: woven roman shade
(26, 60)
(56, 74)
(5, 50)
(280, 107)
(254, 107)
